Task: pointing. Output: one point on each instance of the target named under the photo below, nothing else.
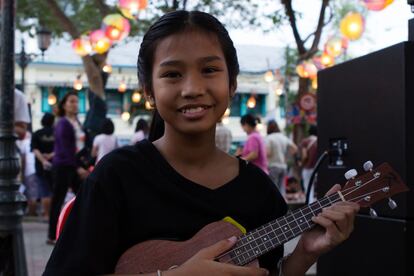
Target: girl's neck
(185, 148)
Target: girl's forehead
(190, 42)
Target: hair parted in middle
(174, 23)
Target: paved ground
(38, 252)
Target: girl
(254, 149)
(69, 139)
(168, 186)
(141, 131)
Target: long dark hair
(272, 127)
(61, 111)
(173, 23)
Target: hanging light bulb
(125, 116)
(148, 105)
(268, 76)
(107, 68)
(227, 112)
(279, 91)
(51, 99)
(136, 97)
(315, 83)
(122, 87)
(352, 25)
(251, 102)
(77, 84)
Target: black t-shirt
(134, 195)
(42, 140)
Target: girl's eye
(210, 70)
(171, 75)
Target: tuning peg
(368, 166)
(372, 213)
(350, 174)
(392, 204)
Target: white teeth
(193, 110)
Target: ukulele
(149, 256)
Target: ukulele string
(346, 193)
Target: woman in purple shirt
(254, 149)
(69, 139)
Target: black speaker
(364, 108)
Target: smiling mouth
(192, 110)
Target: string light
(148, 105)
(251, 102)
(77, 84)
(125, 116)
(268, 77)
(136, 97)
(107, 68)
(122, 87)
(51, 99)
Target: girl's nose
(193, 87)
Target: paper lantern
(352, 25)
(100, 43)
(116, 27)
(82, 46)
(327, 60)
(333, 47)
(269, 76)
(300, 70)
(377, 5)
(130, 8)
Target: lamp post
(23, 59)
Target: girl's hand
(335, 224)
(203, 263)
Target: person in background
(69, 139)
(28, 174)
(43, 141)
(104, 142)
(254, 150)
(309, 152)
(278, 146)
(223, 137)
(21, 114)
(141, 131)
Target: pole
(12, 255)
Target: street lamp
(23, 59)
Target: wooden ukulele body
(149, 256)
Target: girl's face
(190, 81)
(71, 105)
(247, 128)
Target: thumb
(216, 249)
(335, 188)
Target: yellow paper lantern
(352, 25)
(100, 43)
(327, 60)
(315, 83)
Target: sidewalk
(38, 252)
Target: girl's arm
(251, 156)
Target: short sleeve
(252, 144)
(89, 242)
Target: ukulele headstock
(374, 185)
